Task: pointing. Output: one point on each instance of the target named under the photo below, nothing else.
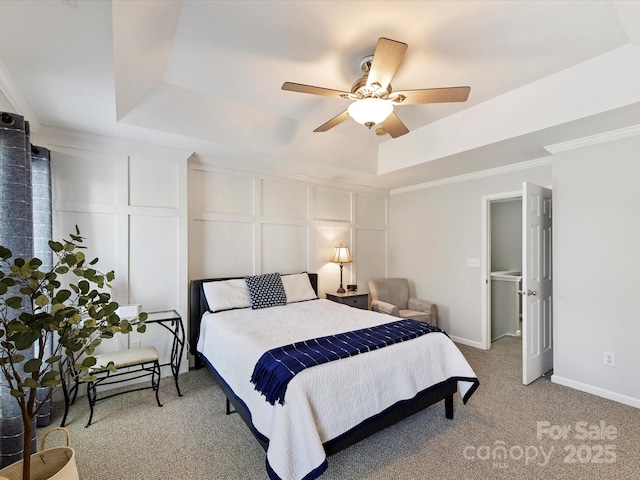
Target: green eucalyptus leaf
(62, 296)
(125, 326)
(55, 246)
(142, 328)
(51, 383)
(84, 286)
(16, 326)
(32, 365)
(51, 375)
(26, 340)
(27, 291)
(16, 393)
(54, 359)
(3, 288)
(70, 259)
(14, 302)
(89, 362)
(5, 253)
(42, 301)
(29, 383)
(35, 263)
(17, 358)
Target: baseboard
(600, 392)
(469, 343)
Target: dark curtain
(17, 228)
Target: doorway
(505, 261)
(535, 291)
(512, 262)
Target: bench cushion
(125, 358)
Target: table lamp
(341, 255)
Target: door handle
(528, 292)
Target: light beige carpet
(192, 438)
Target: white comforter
(327, 400)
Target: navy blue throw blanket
(278, 366)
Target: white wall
(132, 211)
(506, 235)
(5, 104)
(596, 263)
(244, 224)
(435, 229)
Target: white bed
(328, 401)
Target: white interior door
(537, 321)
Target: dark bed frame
(395, 413)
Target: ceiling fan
(372, 95)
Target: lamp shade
(341, 255)
(370, 111)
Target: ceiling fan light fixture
(370, 111)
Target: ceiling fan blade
(385, 62)
(433, 95)
(394, 126)
(326, 92)
(337, 120)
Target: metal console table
(168, 319)
(172, 321)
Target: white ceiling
(206, 77)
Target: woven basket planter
(48, 464)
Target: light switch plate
(473, 262)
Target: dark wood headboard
(198, 306)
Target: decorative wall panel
(331, 205)
(152, 183)
(281, 199)
(84, 177)
(371, 210)
(284, 248)
(220, 193)
(371, 251)
(221, 248)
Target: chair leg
(91, 396)
(156, 383)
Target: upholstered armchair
(392, 296)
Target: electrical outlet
(473, 262)
(609, 359)
(136, 344)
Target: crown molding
(594, 139)
(476, 175)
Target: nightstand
(353, 299)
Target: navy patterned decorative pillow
(266, 290)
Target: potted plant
(66, 304)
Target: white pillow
(298, 287)
(226, 294)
